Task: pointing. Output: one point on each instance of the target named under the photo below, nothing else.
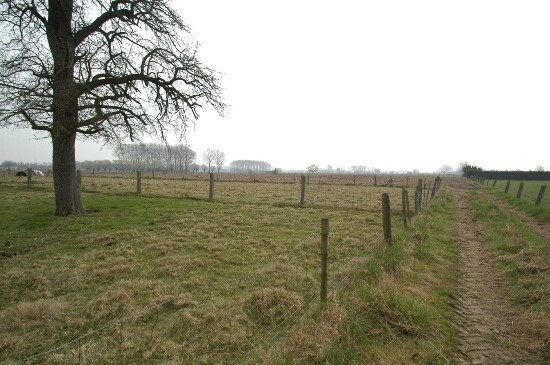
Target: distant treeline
(475, 172)
(515, 175)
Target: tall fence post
(541, 194)
(29, 177)
(211, 190)
(138, 182)
(507, 186)
(427, 193)
(494, 183)
(386, 217)
(303, 190)
(375, 183)
(324, 258)
(520, 189)
(404, 203)
(418, 197)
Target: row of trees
(249, 166)
(157, 157)
(471, 171)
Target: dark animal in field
(21, 173)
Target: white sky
(397, 85)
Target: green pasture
(171, 277)
(529, 194)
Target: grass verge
(525, 258)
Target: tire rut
(486, 319)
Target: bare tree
(219, 159)
(208, 157)
(312, 169)
(106, 69)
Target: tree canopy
(135, 66)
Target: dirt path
(487, 321)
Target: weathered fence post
(303, 190)
(520, 189)
(404, 203)
(211, 190)
(386, 217)
(418, 197)
(324, 258)
(79, 179)
(29, 177)
(428, 193)
(375, 184)
(507, 186)
(434, 189)
(541, 194)
(494, 183)
(408, 210)
(139, 182)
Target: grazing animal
(21, 173)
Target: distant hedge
(515, 175)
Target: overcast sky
(397, 85)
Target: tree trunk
(65, 109)
(67, 192)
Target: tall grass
(170, 276)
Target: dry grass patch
(272, 306)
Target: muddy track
(488, 324)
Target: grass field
(528, 197)
(171, 277)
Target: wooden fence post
(324, 258)
(418, 197)
(404, 203)
(211, 190)
(375, 184)
(428, 193)
(408, 210)
(507, 186)
(494, 183)
(139, 182)
(520, 189)
(29, 177)
(386, 217)
(303, 190)
(541, 194)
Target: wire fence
(282, 318)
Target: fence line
(519, 192)
(156, 306)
